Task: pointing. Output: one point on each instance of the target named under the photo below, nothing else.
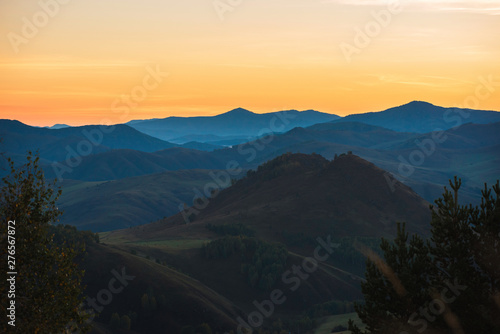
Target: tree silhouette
(448, 284)
(48, 281)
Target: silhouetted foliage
(288, 163)
(262, 263)
(67, 234)
(448, 284)
(48, 280)
(347, 254)
(231, 229)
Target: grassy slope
(189, 302)
(103, 206)
(346, 197)
(223, 276)
(177, 244)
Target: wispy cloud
(490, 7)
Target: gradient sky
(265, 55)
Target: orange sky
(84, 61)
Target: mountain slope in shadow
(304, 194)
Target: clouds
(489, 7)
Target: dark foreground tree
(47, 285)
(448, 284)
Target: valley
(268, 233)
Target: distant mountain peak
(422, 117)
(417, 103)
(310, 111)
(239, 111)
(420, 102)
(58, 126)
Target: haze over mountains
(197, 208)
(58, 126)
(419, 160)
(237, 122)
(130, 201)
(422, 117)
(416, 117)
(53, 144)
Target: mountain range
(237, 122)
(210, 222)
(56, 144)
(122, 153)
(471, 151)
(422, 117)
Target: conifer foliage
(447, 284)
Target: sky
(107, 62)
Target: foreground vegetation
(449, 283)
(445, 284)
(45, 289)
